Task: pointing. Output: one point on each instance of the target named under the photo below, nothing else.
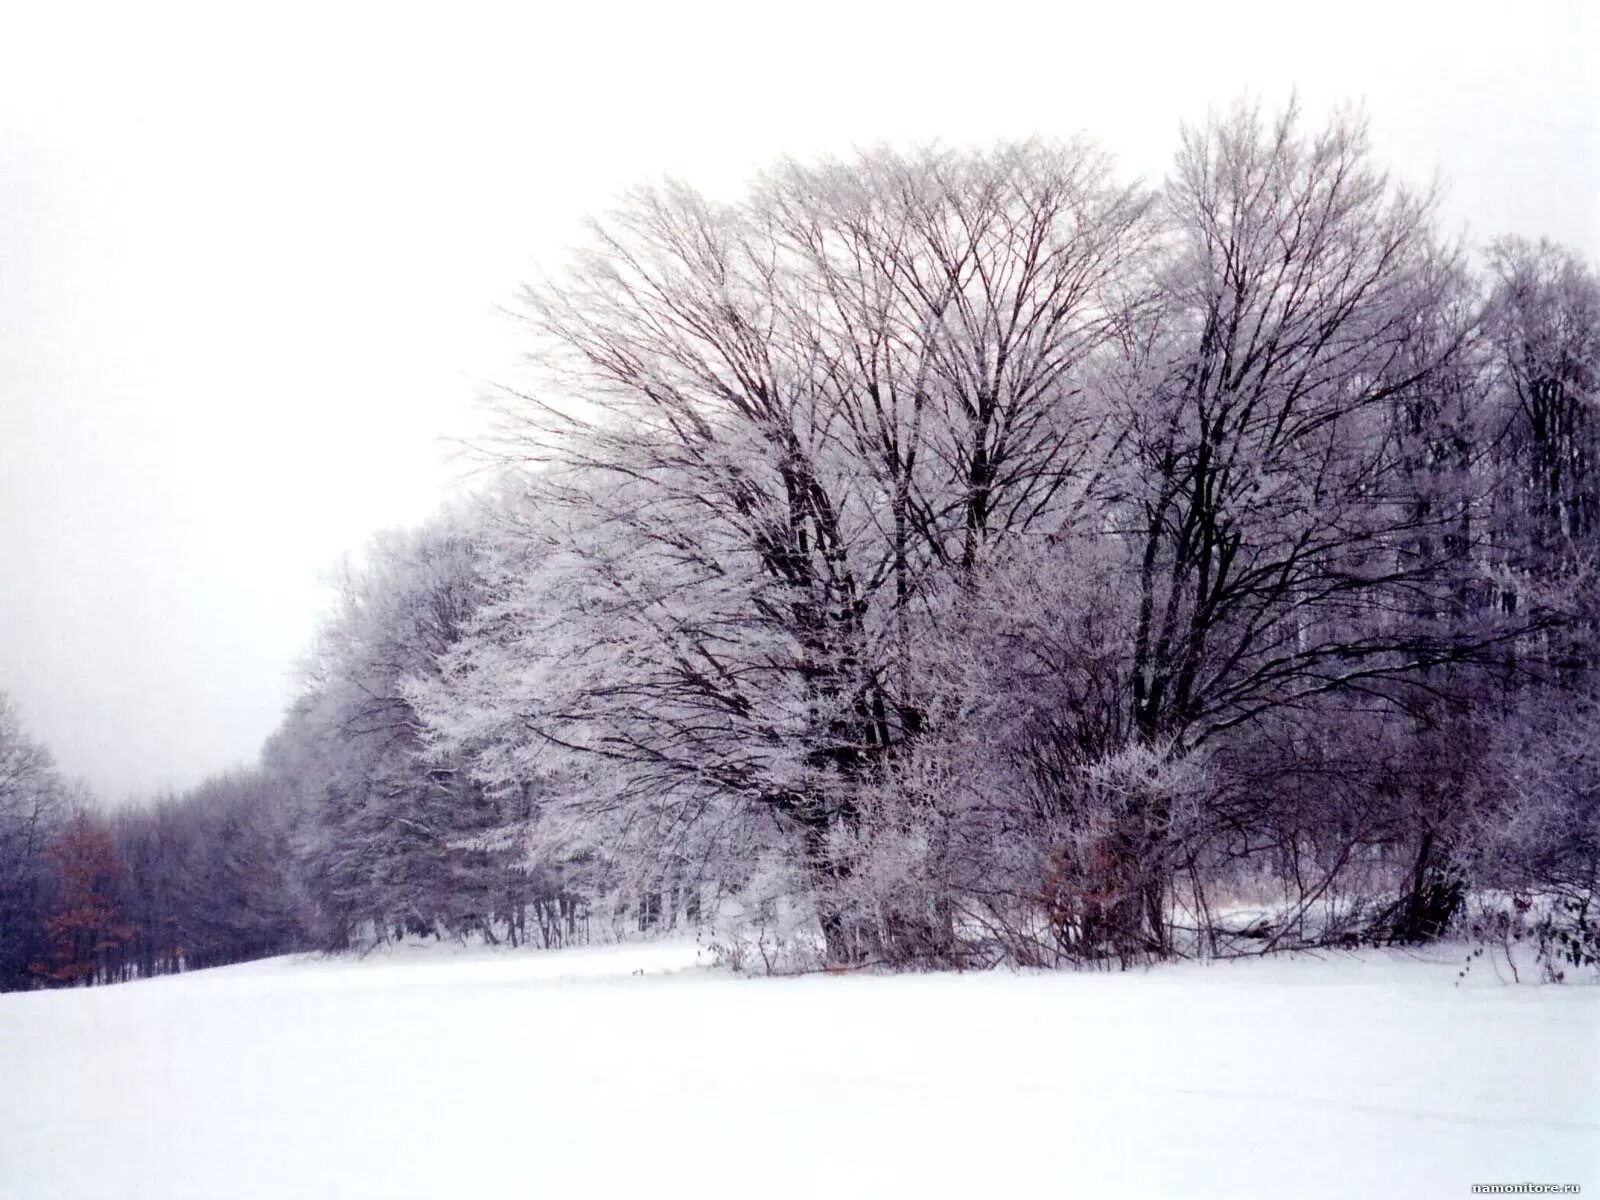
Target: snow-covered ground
(631, 1071)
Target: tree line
(957, 557)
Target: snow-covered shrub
(1535, 849)
(766, 925)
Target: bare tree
(802, 418)
(34, 803)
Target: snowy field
(632, 1071)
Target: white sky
(249, 264)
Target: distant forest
(943, 559)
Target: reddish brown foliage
(87, 925)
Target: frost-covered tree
(771, 433)
(391, 839)
(1269, 491)
(1544, 322)
(1285, 554)
(34, 803)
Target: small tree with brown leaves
(87, 928)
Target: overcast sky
(250, 264)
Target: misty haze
(834, 601)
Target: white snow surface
(639, 1071)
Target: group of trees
(973, 557)
(1007, 562)
(1001, 561)
(187, 881)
